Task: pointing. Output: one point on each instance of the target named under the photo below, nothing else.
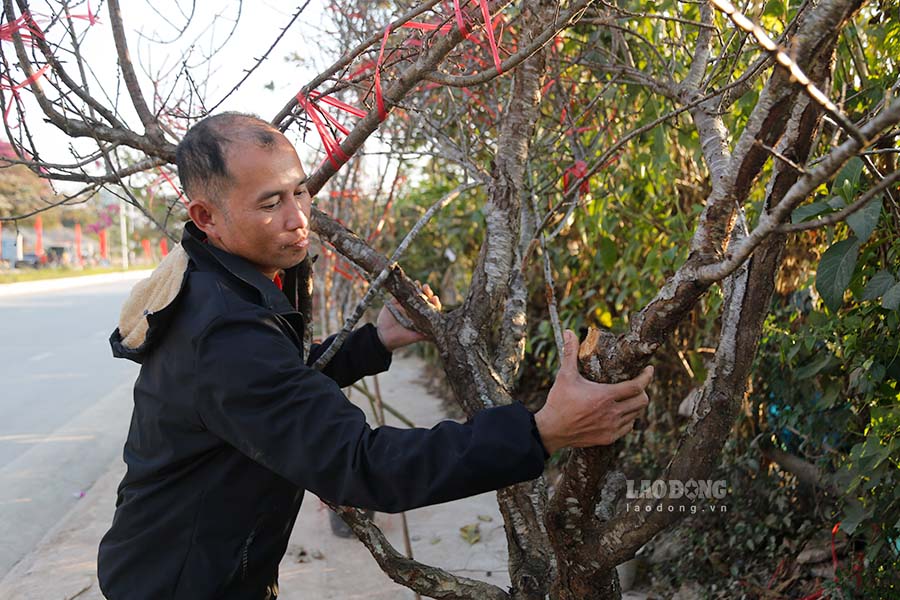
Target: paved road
(65, 404)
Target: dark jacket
(230, 426)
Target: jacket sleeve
(254, 393)
(361, 354)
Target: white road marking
(40, 356)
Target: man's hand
(394, 335)
(580, 413)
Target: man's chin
(296, 258)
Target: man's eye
(271, 205)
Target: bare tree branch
(562, 21)
(769, 222)
(426, 580)
(347, 59)
(375, 286)
(151, 126)
(786, 62)
(837, 217)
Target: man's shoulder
(211, 298)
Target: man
(230, 425)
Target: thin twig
(608, 153)
(564, 21)
(348, 58)
(388, 407)
(262, 59)
(781, 157)
(550, 290)
(769, 222)
(842, 214)
(786, 62)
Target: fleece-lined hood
(151, 299)
(154, 301)
(152, 295)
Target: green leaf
(864, 220)
(829, 397)
(608, 253)
(891, 300)
(847, 190)
(802, 213)
(880, 282)
(821, 361)
(847, 179)
(854, 514)
(885, 420)
(835, 272)
(836, 203)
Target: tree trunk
(480, 366)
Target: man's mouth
(299, 244)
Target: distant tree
(21, 190)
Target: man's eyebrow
(267, 195)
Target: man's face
(264, 215)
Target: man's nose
(296, 218)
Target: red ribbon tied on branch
(7, 84)
(24, 25)
(577, 171)
(336, 155)
(489, 26)
(428, 26)
(175, 188)
(90, 17)
(379, 64)
(321, 118)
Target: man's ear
(205, 217)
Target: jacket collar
(209, 258)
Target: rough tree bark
(484, 339)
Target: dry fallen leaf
(471, 533)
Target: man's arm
(362, 354)
(253, 393)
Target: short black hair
(200, 155)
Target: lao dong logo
(674, 489)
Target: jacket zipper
(245, 555)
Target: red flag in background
(39, 236)
(104, 248)
(148, 253)
(164, 247)
(78, 259)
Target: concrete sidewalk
(318, 565)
